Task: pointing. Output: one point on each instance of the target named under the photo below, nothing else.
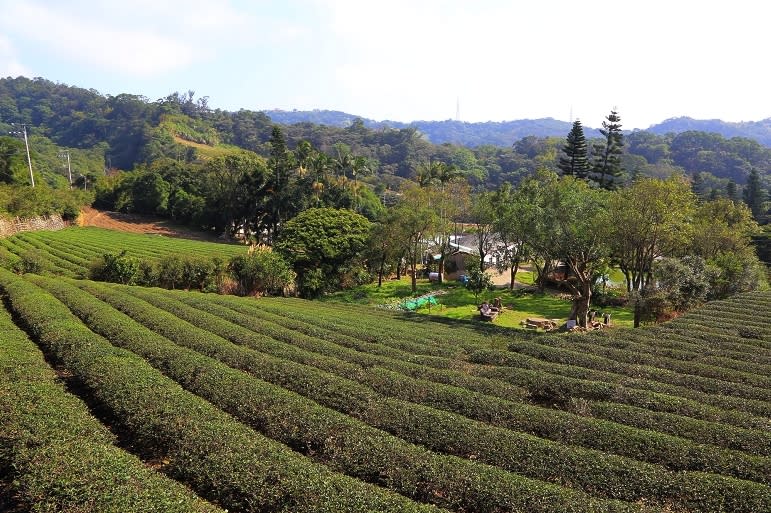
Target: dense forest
(123, 131)
(502, 133)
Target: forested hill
(128, 131)
(504, 132)
(495, 133)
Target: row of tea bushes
(221, 459)
(60, 458)
(338, 440)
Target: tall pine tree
(575, 162)
(754, 194)
(607, 154)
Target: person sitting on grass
(497, 305)
(487, 312)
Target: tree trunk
(380, 271)
(637, 312)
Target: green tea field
(119, 399)
(71, 251)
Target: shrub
(32, 261)
(116, 268)
(260, 272)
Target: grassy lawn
(456, 302)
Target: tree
(323, 244)
(418, 222)
(281, 166)
(651, 219)
(575, 162)
(754, 194)
(235, 187)
(483, 216)
(150, 194)
(386, 243)
(509, 225)
(575, 220)
(11, 162)
(447, 194)
(607, 154)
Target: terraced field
(70, 252)
(116, 398)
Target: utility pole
(26, 144)
(66, 153)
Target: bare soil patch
(135, 223)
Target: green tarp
(414, 304)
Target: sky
(408, 60)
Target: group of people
(594, 323)
(488, 311)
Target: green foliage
(607, 168)
(322, 244)
(478, 280)
(576, 161)
(262, 271)
(57, 456)
(117, 267)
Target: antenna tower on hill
(457, 109)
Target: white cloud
(10, 66)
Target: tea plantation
(119, 398)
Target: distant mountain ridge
(505, 133)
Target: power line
(66, 153)
(26, 144)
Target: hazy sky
(410, 60)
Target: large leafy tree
(575, 220)
(418, 221)
(651, 219)
(235, 190)
(576, 161)
(607, 154)
(281, 164)
(323, 245)
(510, 225)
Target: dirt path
(138, 224)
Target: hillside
(505, 132)
(145, 399)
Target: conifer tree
(607, 154)
(731, 190)
(754, 194)
(575, 162)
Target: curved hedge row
(586, 358)
(603, 474)
(673, 452)
(636, 353)
(337, 440)
(220, 458)
(557, 388)
(57, 456)
(732, 437)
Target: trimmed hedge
(337, 440)
(327, 433)
(57, 457)
(674, 452)
(220, 458)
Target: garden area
(454, 300)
